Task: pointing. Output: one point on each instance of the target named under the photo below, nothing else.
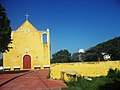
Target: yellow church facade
(30, 49)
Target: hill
(111, 47)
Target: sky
(73, 24)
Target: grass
(97, 83)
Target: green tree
(1, 62)
(75, 57)
(61, 56)
(5, 30)
(111, 47)
(114, 74)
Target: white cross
(27, 15)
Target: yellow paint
(83, 68)
(27, 40)
(69, 75)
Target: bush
(96, 84)
(1, 62)
(114, 74)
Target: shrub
(1, 62)
(114, 74)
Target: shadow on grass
(110, 86)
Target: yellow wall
(27, 40)
(84, 68)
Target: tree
(111, 47)
(5, 31)
(1, 62)
(75, 57)
(61, 56)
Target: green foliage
(5, 30)
(111, 47)
(49, 74)
(1, 62)
(61, 56)
(75, 57)
(114, 74)
(91, 57)
(84, 84)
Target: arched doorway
(27, 62)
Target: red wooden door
(26, 62)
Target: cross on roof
(27, 15)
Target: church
(30, 49)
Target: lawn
(97, 83)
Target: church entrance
(27, 62)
